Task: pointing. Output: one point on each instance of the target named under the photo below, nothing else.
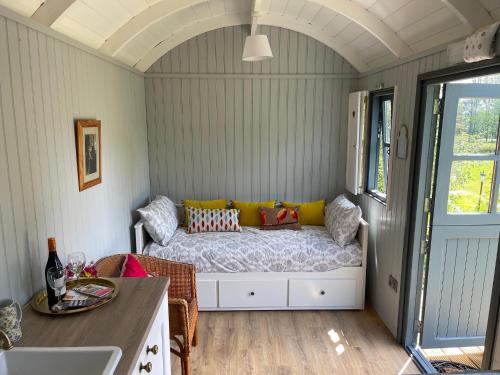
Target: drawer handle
(148, 367)
(322, 292)
(252, 293)
(153, 349)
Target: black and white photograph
(88, 138)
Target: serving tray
(39, 300)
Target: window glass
(379, 143)
(470, 186)
(476, 126)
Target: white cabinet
(154, 358)
(358, 102)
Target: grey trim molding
(252, 75)
(28, 22)
(491, 330)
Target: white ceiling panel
(384, 8)
(278, 6)
(490, 4)
(436, 23)
(336, 25)
(294, 7)
(323, 18)
(308, 12)
(412, 12)
(365, 3)
(350, 33)
(131, 30)
(217, 7)
(202, 11)
(447, 36)
(23, 7)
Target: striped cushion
(212, 220)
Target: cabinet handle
(153, 349)
(148, 367)
(252, 293)
(322, 292)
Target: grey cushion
(342, 220)
(160, 219)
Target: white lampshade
(256, 48)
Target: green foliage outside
(476, 132)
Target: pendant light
(256, 48)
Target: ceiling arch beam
(50, 11)
(471, 13)
(142, 21)
(371, 23)
(213, 23)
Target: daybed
(269, 270)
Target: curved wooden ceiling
(368, 33)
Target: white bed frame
(342, 288)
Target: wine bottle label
(60, 286)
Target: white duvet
(311, 249)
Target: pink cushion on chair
(132, 268)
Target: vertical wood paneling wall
(218, 127)
(387, 225)
(46, 84)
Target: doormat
(447, 367)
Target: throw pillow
(217, 203)
(279, 218)
(212, 220)
(250, 211)
(132, 268)
(311, 213)
(342, 220)
(160, 219)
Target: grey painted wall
(44, 85)
(218, 127)
(387, 225)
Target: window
(379, 143)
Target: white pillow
(160, 219)
(342, 220)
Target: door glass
(476, 126)
(470, 186)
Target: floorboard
(296, 342)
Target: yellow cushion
(311, 213)
(250, 213)
(217, 203)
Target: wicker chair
(182, 302)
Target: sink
(90, 360)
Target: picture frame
(89, 153)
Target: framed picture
(88, 147)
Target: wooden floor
(471, 355)
(298, 342)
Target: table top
(123, 322)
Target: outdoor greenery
(476, 134)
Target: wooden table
(123, 322)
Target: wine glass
(76, 263)
(56, 278)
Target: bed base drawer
(252, 293)
(323, 293)
(206, 291)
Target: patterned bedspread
(311, 249)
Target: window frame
(376, 98)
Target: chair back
(110, 266)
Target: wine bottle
(53, 261)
